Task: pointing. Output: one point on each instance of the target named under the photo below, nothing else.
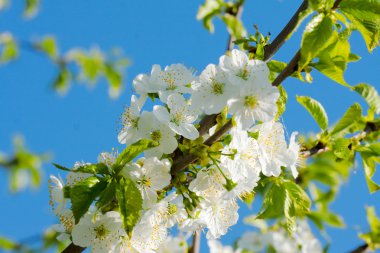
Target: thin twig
(231, 39)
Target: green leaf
(234, 26)
(281, 102)
(334, 58)
(350, 122)
(62, 81)
(131, 152)
(48, 45)
(107, 197)
(285, 198)
(316, 110)
(83, 193)
(370, 95)
(208, 11)
(115, 80)
(353, 57)
(372, 238)
(31, 8)
(60, 167)
(99, 168)
(274, 202)
(365, 15)
(369, 164)
(341, 149)
(130, 203)
(8, 48)
(321, 4)
(315, 38)
(7, 244)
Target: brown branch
(361, 249)
(272, 48)
(321, 147)
(196, 242)
(72, 248)
(289, 69)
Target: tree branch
(361, 249)
(196, 242)
(72, 248)
(272, 48)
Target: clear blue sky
(84, 123)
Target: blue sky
(84, 123)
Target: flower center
(250, 101)
(101, 232)
(217, 87)
(156, 135)
(177, 117)
(172, 209)
(145, 182)
(243, 73)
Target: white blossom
(130, 121)
(173, 245)
(273, 147)
(293, 154)
(217, 247)
(152, 128)
(168, 211)
(255, 102)
(218, 215)
(57, 199)
(181, 116)
(175, 79)
(212, 90)
(151, 175)
(240, 69)
(253, 241)
(100, 231)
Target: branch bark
(273, 47)
(196, 242)
(361, 249)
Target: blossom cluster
(205, 196)
(302, 241)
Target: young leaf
(31, 8)
(281, 102)
(340, 148)
(107, 196)
(83, 193)
(316, 110)
(333, 60)
(130, 203)
(208, 11)
(369, 164)
(6, 244)
(365, 15)
(131, 152)
(315, 38)
(285, 198)
(370, 95)
(48, 45)
(372, 238)
(99, 168)
(234, 26)
(350, 122)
